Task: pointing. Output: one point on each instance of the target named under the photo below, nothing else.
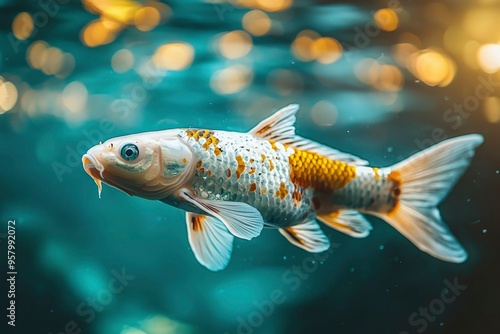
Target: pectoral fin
(211, 242)
(307, 236)
(241, 219)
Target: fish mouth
(97, 172)
(95, 169)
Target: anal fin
(349, 222)
(307, 236)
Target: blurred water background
(379, 79)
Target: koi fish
(234, 184)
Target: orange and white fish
(234, 184)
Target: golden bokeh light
(119, 10)
(381, 76)
(482, 24)
(256, 22)
(52, 60)
(67, 67)
(488, 57)
(22, 26)
(324, 113)
(432, 67)
(235, 44)
(174, 56)
(95, 33)
(491, 108)
(390, 79)
(402, 51)
(302, 46)
(75, 96)
(28, 101)
(326, 50)
(8, 96)
(35, 52)
(231, 80)
(386, 19)
(273, 5)
(147, 18)
(367, 71)
(122, 61)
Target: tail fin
(424, 180)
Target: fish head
(151, 165)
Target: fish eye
(129, 152)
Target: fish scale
(272, 196)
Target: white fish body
(234, 184)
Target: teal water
(122, 264)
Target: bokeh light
(174, 56)
(75, 97)
(491, 108)
(235, 44)
(324, 113)
(433, 67)
(231, 80)
(271, 5)
(381, 76)
(326, 50)
(256, 22)
(147, 18)
(96, 33)
(386, 19)
(8, 96)
(23, 26)
(302, 46)
(489, 57)
(122, 61)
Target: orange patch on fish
(263, 156)
(253, 186)
(241, 166)
(293, 234)
(209, 136)
(209, 173)
(296, 196)
(376, 171)
(202, 170)
(273, 145)
(228, 172)
(252, 170)
(197, 223)
(308, 169)
(184, 161)
(263, 191)
(199, 163)
(271, 165)
(282, 191)
(395, 177)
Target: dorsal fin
(280, 127)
